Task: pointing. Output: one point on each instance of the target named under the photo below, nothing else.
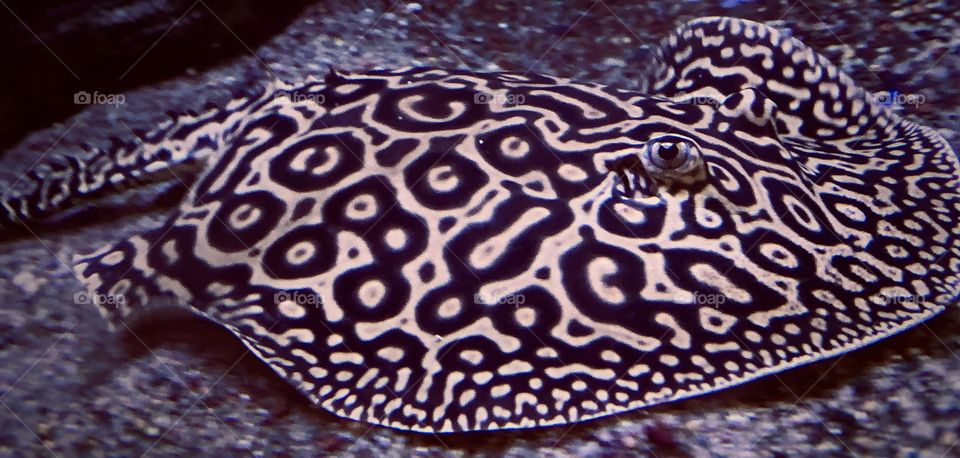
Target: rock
(28, 282)
(660, 435)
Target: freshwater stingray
(444, 251)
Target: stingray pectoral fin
(131, 279)
(881, 183)
(719, 56)
(116, 282)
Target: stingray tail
(175, 151)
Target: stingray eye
(672, 156)
(669, 154)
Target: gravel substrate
(178, 386)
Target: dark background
(177, 386)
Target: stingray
(447, 251)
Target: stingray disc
(450, 251)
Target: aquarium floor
(179, 386)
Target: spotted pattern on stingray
(447, 251)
